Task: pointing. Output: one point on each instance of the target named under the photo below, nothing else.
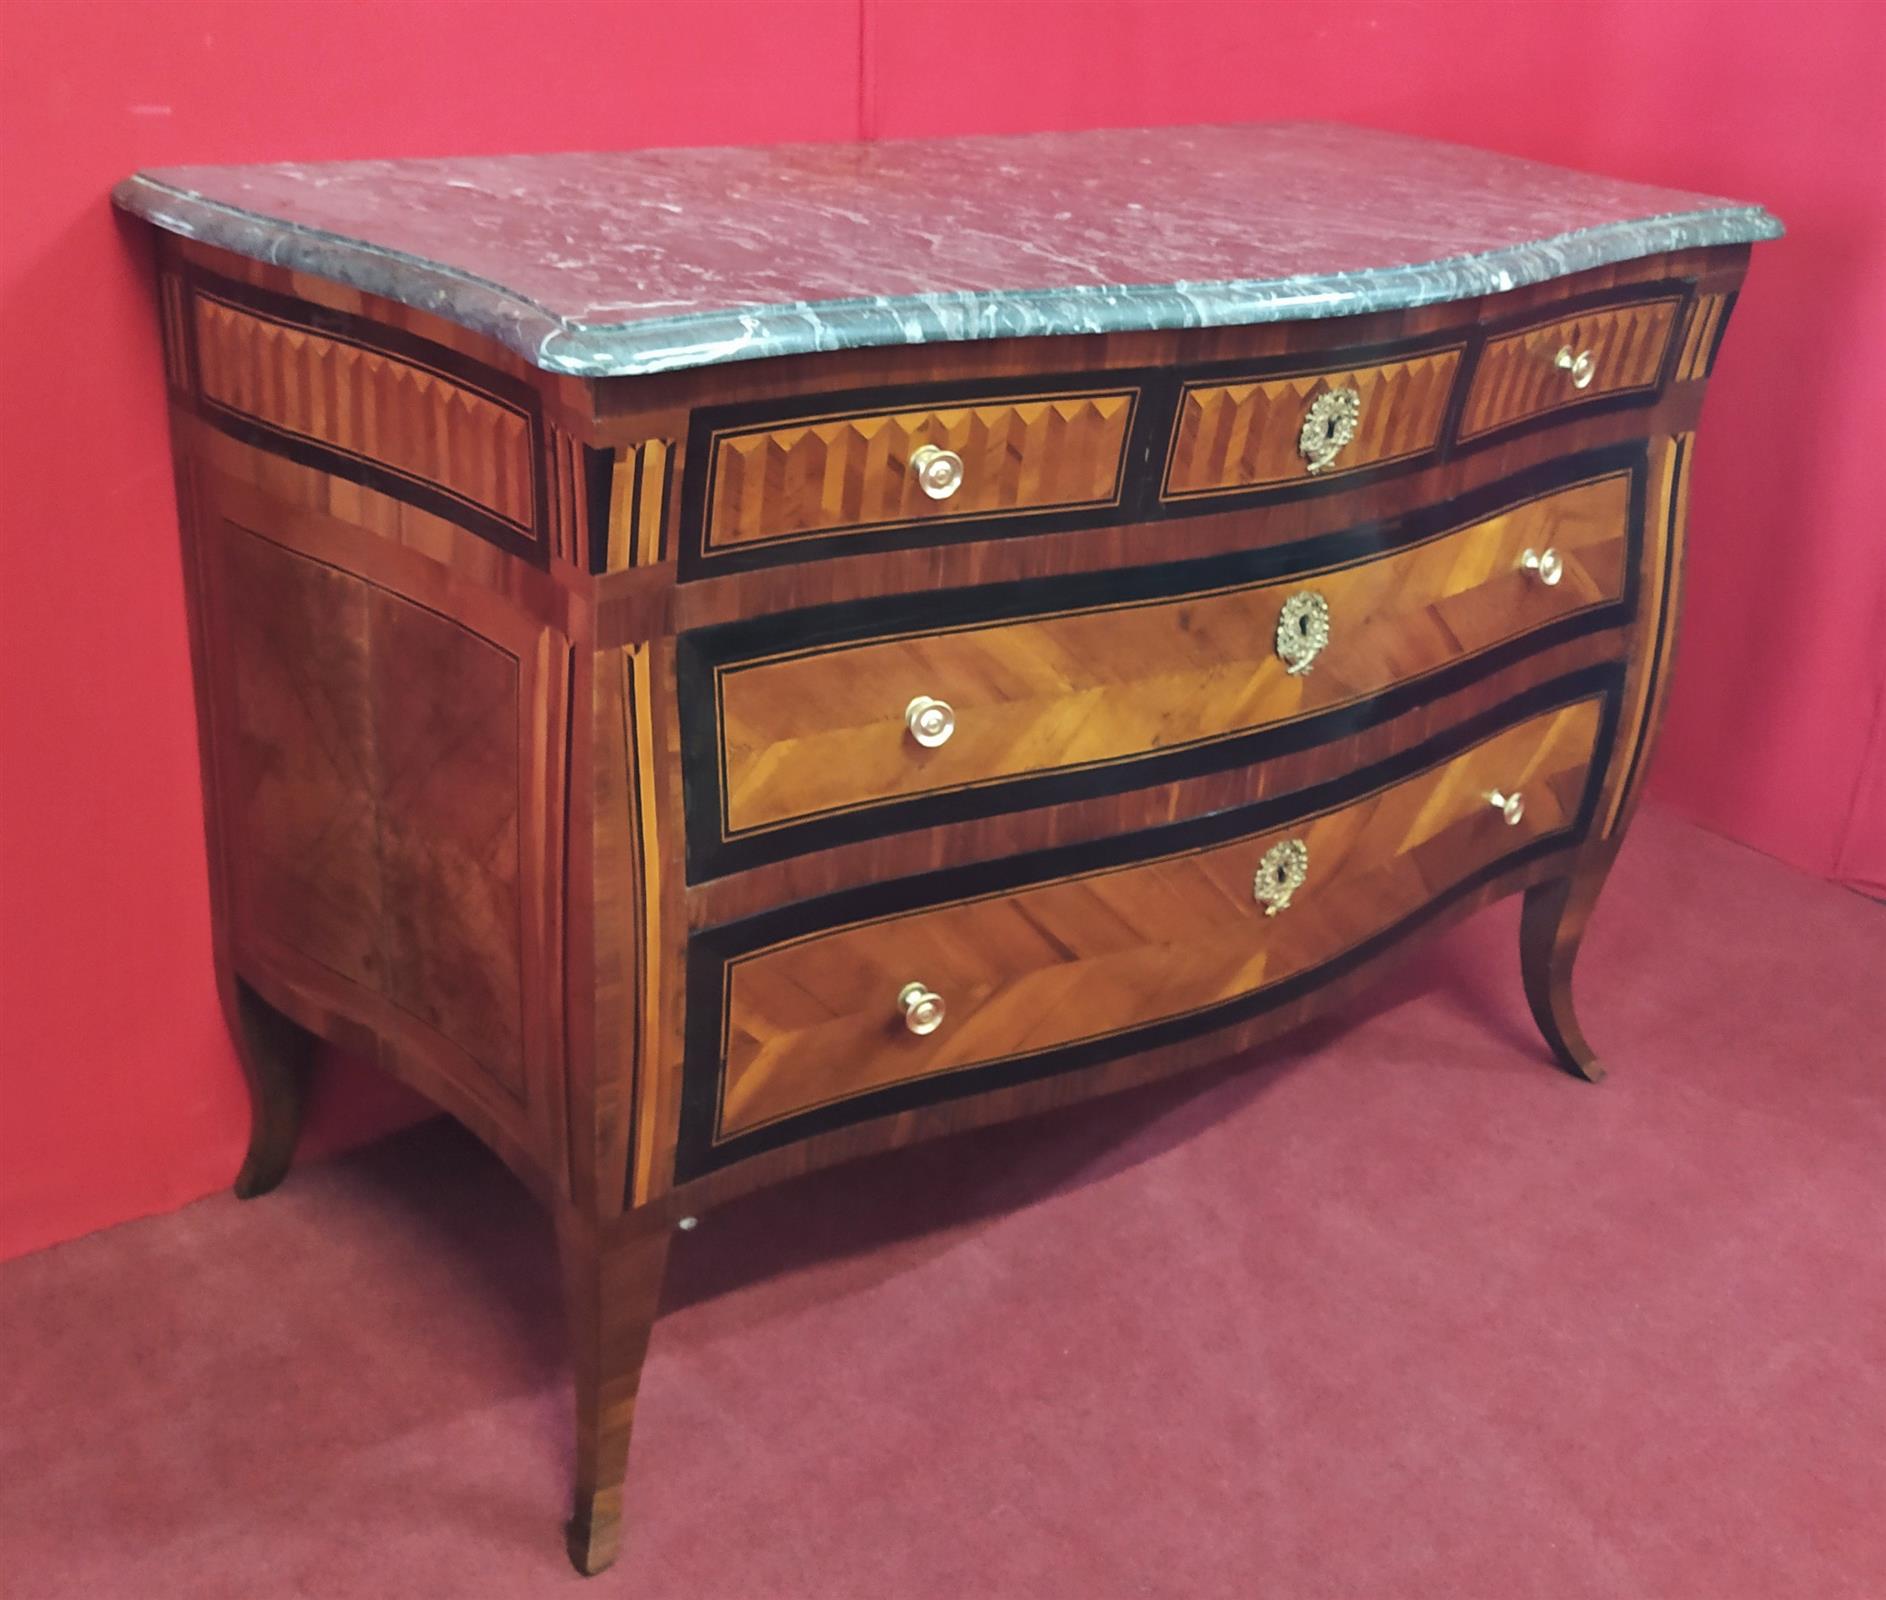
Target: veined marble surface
(653, 260)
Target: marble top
(654, 260)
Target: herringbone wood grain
(811, 733)
(1232, 435)
(816, 1020)
(839, 474)
(1518, 376)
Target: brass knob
(1280, 874)
(923, 1011)
(1544, 564)
(939, 471)
(1511, 807)
(931, 722)
(1328, 425)
(1302, 630)
(1581, 366)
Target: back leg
(276, 1052)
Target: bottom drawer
(1112, 955)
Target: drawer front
(1567, 361)
(820, 732)
(1061, 971)
(852, 472)
(1234, 435)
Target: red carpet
(1397, 1312)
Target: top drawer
(1243, 433)
(852, 471)
(1567, 361)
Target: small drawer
(1162, 936)
(817, 731)
(854, 472)
(1230, 436)
(1570, 361)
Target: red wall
(118, 1092)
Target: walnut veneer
(555, 737)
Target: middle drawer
(838, 728)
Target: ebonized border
(710, 950)
(599, 467)
(397, 344)
(699, 654)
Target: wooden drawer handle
(939, 471)
(1583, 367)
(1511, 807)
(923, 1011)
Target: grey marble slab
(654, 260)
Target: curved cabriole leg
(275, 1052)
(612, 1274)
(1551, 923)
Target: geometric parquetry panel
(813, 1020)
(375, 821)
(1519, 376)
(843, 473)
(396, 413)
(1244, 435)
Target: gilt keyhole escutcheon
(1328, 425)
(1302, 630)
(1280, 875)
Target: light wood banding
(1699, 341)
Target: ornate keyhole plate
(1328, 425)
(1280, 874)
(1302, 630)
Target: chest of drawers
(711, 663)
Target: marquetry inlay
(1518, 375)
(170, 298)
(1103, 952)
(842, 474)
(1651, 688)
(1699, 340)
(639, 486)
(810, 732)
(404, 417)
(1232, 435)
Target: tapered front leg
(276, 1052)
(1551, 924)
(612, 1275)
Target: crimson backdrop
(118, 1092)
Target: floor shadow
(881, 1215)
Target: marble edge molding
(713, 338)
